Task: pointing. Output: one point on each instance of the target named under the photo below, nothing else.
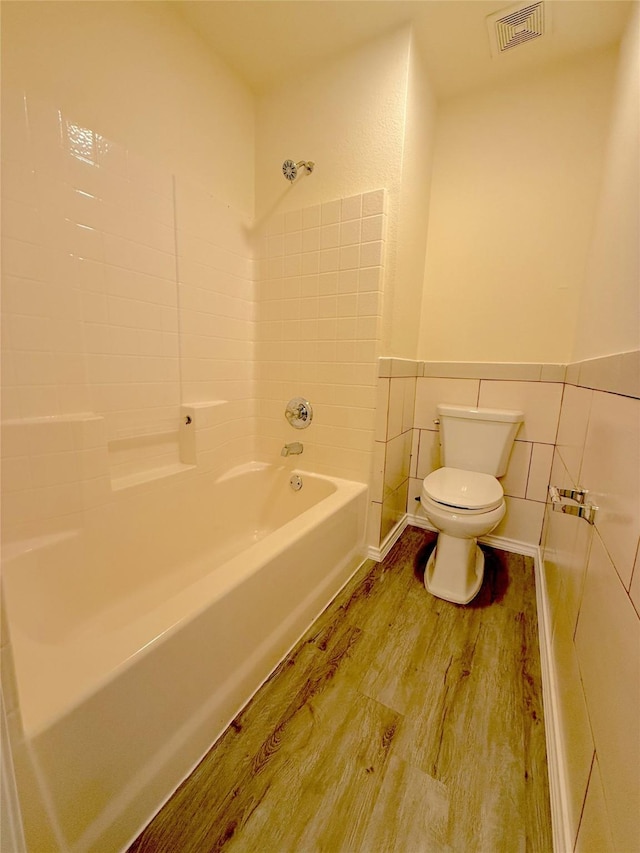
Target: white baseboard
(378, 554)
(558, 794)
(562, 842)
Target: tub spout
(293, 449)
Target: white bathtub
(136, 642)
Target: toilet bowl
(461, 505)
(464, 500)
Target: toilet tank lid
(513, 416)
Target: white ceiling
(268, 42)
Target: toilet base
(455, 569)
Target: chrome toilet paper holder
(580, 507)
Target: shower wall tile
(111, 305)
(318, 330)
(216, 319)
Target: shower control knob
(299, 413)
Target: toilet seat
(461, 491)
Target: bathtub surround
(127, 293)
(109, 647)
(431, 739)
(320, 294)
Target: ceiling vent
(510, 28)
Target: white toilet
(464, 500)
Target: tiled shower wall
(134, 300)
(127, 292)
(216, 325)
(319, 313)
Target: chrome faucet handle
(299, 413)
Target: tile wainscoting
(406, 439)
(407, 445)
(592, 575)
(582, 428)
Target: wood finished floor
(400, 722)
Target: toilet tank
(477, 439)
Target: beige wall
(347, 116)
(516, 175)
(403, 297)
(137, 74)
(609, 316)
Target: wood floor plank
(319, 799)
(535, 753)
(411, 813)
(400, 723)
(207, 810)
(487, 794)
